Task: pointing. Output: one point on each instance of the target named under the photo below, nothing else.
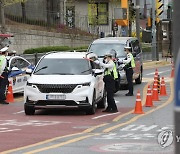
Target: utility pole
(176, 52)
(153, 49)
(137, 20)
(2, 17)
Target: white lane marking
(8, 130)
(19, 112)
(105, 115)
(158, 72)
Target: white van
(104, 45)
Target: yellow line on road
(141, 115)
(40, 143)
(143, 102)
(61, 144)
(95, 127)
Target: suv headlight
(29, 84)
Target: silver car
(104, 45)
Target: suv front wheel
(29, 110)
(92, 109)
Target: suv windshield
(49, 66)
(103, 48)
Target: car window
(100, 49)
(48, 66)
(136, 47)
(19, 63)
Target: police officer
(129, 64)
(3, 76)
(110, 74)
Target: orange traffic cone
(9, 96)
(149, 102)
(172, 71)
(155, 96)
(138, 107)
(163, 88)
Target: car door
(18, 76)
(136, 50)
(99, 84)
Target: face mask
(106, 61)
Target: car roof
(66, 55)
(122, 40)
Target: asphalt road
(74, 132)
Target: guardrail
(34, 58)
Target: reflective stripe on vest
(132, 61)
(115, 73)
(2, 58)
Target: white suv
(65, 80)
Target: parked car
(17, 72)
(104, 45)
(65, 80)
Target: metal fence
(34, 58)
(58, 22)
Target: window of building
(98, 13)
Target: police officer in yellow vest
(110, 74)
(3, 76)
(129, 64)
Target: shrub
(53, 48)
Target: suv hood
(60, 79)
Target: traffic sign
(177, 81)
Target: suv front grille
(56, 88)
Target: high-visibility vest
(114, 72)
(2, 58)
(131, 64)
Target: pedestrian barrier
(155, 96)
(172, 71)
(9, 96)
(149, 102)
(138, 106)
(163, 88)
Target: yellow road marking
(61, 144)
(137, 117)
(40, 143)
(143, 102)
(95, 127)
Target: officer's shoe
(106, 110)
(4, 102)
(113, 111)
(128, 94)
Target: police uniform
(3, 79)
(110, 75)
(129, 65)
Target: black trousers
(3, 86)
(129, 76)
(110, 87)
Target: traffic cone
(138, 107)
(149, 102)
(159, 84)
(163, 88)
(9, 96)
(155, 96)
(172, 71)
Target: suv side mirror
(15, 69)
(134, 54)
(29, 71)
(98, 72)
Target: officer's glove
(96, 62)
(120, 62)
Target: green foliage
(146, 47)
(54, 48)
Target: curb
(151, 64)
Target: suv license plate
(55, 97)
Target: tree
(4, 3)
